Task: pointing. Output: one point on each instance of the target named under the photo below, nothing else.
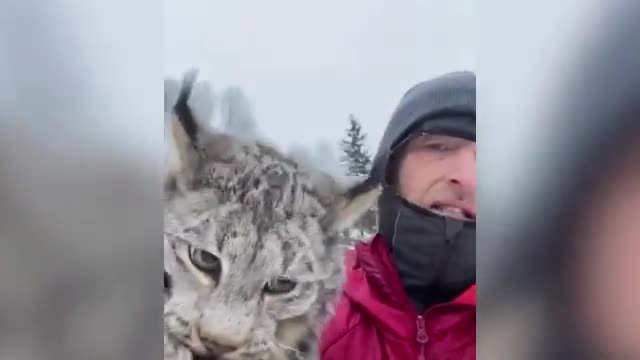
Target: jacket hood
(374, 284)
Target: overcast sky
(307, 65)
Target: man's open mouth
(453, 211)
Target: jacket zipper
(421, 337)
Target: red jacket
(375, 319)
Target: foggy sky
(306, 65)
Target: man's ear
(350, 203)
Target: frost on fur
(252, 244)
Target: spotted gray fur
(263, 218)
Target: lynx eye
(279, 285)
(205, 261)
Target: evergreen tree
(355, 157)
(357, 162)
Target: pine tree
(355, 157)
(357, 162)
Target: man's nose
(462, 170)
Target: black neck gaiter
(435, 255)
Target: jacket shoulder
(337, 329)
(341, 330)
(345, 318)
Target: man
(410, 291)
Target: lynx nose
(219, 343)
(226, 327)
(204, 346)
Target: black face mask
(435, 255)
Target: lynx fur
(253, 260)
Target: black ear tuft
(185, 136)
(182, 110)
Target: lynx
(253, 259)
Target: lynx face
(252, 259)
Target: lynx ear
(192, 143)
(183, 133)
(351, 203)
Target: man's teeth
(451, 211)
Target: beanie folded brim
(458, 126)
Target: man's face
(438, 173)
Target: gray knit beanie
(443, 105)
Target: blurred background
(81, 156)
(81, 152)
(559, 176)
